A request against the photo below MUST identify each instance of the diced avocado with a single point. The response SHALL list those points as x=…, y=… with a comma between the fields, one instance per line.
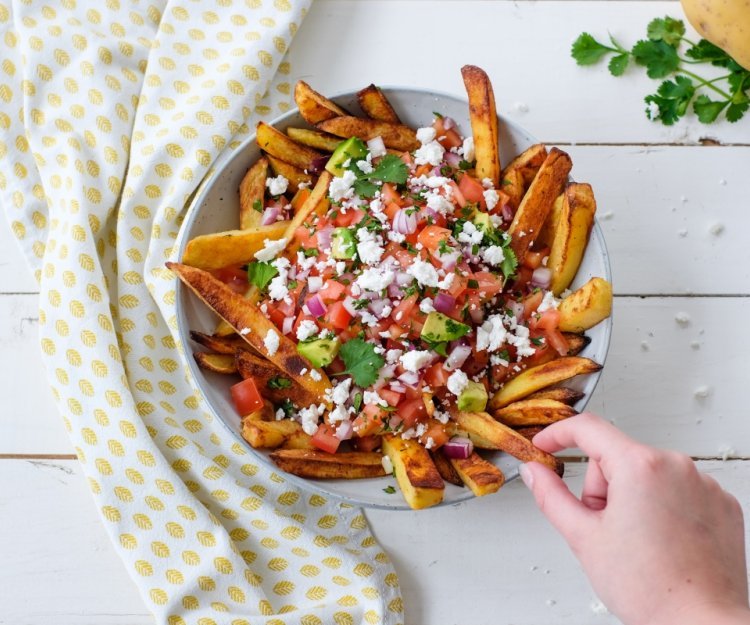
x=474, y=398
x=439, y=327
x=353, y=148
x=482, y=221
x=343, y=243
x=320, y=352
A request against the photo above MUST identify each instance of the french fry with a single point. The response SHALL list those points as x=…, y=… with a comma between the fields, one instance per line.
x=294, y=175
x=298, y=440
x=528, y=163
x=415, y=471
x=316, y=203
x=319, y=464
x=314, y=139
x=220, y=344
x=571, y=234
x=513, y=186
x=445, y=468
x=547, y=233
x=587, y=306
x=256, y=329
x=530, y=432
x=562, y=394
x=314, y=107
x=277, y=144
x=252, y=193
x=268, y=434
x=375, y=105
x=533, y=412
x=272, y=382
x=218, y=363
x=539, y=377
x=483, y=116
x=396, y=136
x=479, y=475
x=537, y=203
x=233, y=247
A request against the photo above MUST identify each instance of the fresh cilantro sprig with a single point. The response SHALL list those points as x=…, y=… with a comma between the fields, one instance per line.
x=362, y=361
x=260, y=274
x=390, y=169
x=662, y=57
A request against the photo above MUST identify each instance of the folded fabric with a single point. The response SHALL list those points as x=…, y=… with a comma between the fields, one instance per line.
x=112, y=113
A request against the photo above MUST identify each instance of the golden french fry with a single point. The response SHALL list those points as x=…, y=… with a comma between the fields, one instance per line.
x=252, y=194
x=533, y=412
x=530, y=432
x=445, y=468
x=298, y=440
x=415, y=472
x=375, y=105
x=537, y=203
x=314, y=138
x=317, y=203
x=272, y=382
x=268, y=434
x=294, y=175
x=218, y=363
x=277, y=144
x=562, y=394
x=483, y=116
x=318, y=464
x=528, y=163
x=541, y=376
x=513, y=186
x=587, y=306
x=396, y=136
x=479, y=475
x=314, y=107
x=547, y=233
x=220, y=344
x=233, y=247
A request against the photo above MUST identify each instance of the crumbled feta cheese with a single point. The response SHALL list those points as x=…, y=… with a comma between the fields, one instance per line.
x=520, y=340
x=314, y=284
x=441, y=416
x=387, y=464
x=430, y=443
x=315, y=375
x=375, y=279
x=491, y=198
x=341, y=392
x=413, y=361
x=270, y=250
x=430, y=153
x=309, y=418
x=368, y=318
x=369, y=248
x=244, y=331
x=439, y=203
x=487, y=183
x=424, y=272
x=470, y=234
x=493, y=255
x=271, y=341
x=392, y=355
x=386, y=312
x=365, y=166
x=277, y=185
x=277, y=288
x=549, y=302
x=397, y=237
x=491, y=334
x=339, y=413
x=306, y=329
x=426, y=306
x=468, y=148
x=341, y=186
x=421, y=428
x=372, y=397
x=457, y=382
x=446, y=282
x=425, y=135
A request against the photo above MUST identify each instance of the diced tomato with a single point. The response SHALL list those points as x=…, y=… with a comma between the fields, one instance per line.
x=431, y=236
x=302, y=234
x=396, y=331
x=449, y=139
x=246, y=396
x=522, y=279
x=436, y=431
x=472, y=190
x=412, y=411
x=389, y=194
x=276, y=316
x=402, y=313
x=458, y=285
x=392, y=397
x=370, y=421
x=300, y=198
x=488, y=283
x=406, y=157
x=391, y=209
x=325, y=438
x=367, y=443
x=531, y=303
x=533, y=260
x=338, y=316
x=455, y=194
x=549, y=320
x=414, y=393
x=350, y=217
x=476, y=363
x=436, y=376
x=557, y=341
x=402, y=256
x=234, y=277
x=332, y=291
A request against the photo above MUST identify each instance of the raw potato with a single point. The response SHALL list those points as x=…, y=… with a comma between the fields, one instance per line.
x=262, y=371
x=233, y=247
x=528, y=163
x=415, y=471
x=314, y=139
x=319, y=464
x=533, y=412
x=479, y=475
x=562, y=394
x=375, y=105
x=572, y=228
x=314, y=107
x=277, y=144
x=268, y=434
x=445, y=468
x=587, y=306
x=483, y=116
x=541, y=376
x=294, y=175
x=218, y=363
x=396, y=136
x=252, y=191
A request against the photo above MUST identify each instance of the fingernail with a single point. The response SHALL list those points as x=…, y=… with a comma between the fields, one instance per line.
x=526, y=475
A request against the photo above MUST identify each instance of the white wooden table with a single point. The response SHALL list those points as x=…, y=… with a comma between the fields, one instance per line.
x=674, y=207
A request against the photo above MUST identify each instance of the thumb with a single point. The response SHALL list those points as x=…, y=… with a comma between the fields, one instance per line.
x=566, y=513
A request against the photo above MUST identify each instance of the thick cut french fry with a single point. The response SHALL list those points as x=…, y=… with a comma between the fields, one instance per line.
x=445, y=468
x=251, y=325
x=537, y=203
x=513, y=186
x=533, y=412
x=562, y=394
x=479, y=475
x=233, y=247
x=298, y=440
x=268, y=434
x=375, y=105
x=252, y=193
x=415, y=471
x=396, y=136
x=547, y=233
x=530, y=432
x=571, y=234
x=294, y=175
x=277, y=144
x=540, y=377
x=272, y=382
x=314, y=139
x=218, y=363
x=317, y=203
x=220, y=344
x=587, y=306
x=318, y=464
x=528, y=163
x=483, y=117
x=314, y=107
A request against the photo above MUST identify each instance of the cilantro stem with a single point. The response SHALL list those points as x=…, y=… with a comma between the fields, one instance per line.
x=704, y=83
x=686, y=40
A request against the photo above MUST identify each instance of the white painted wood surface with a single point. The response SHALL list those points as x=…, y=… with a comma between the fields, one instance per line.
x=660, y=193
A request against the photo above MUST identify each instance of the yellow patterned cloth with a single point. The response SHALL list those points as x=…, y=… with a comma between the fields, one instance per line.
x=111, y=114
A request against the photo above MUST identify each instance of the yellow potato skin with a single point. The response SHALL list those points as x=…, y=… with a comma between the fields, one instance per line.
x=725, y=23
x=587, y=306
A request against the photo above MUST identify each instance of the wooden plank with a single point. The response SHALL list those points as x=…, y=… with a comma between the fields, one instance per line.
x=59, y=566
x=522, y=46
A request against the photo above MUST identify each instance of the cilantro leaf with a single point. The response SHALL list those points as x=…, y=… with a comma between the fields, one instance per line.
x=364, y=188
x=707, y=109
x=258, y=206
x=279, y=382
x=736, y=111
x=390, y=169
x=389, y=490
x=667, y=29
x=659, y=58
x=709, y=53
x=362, y=362
x=510, y=262
x=618, y=64
x=671, y=99
x=586, y=50
x=260, y=274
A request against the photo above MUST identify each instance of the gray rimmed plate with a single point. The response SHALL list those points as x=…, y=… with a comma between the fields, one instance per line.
x=216, y=207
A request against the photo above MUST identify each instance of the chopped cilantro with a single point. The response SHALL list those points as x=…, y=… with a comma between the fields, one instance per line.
x=260, y=274
x=292, y=284
x=359, y=304
x=464, y=165
x=443, y=247
x=389, y=489
x=537, y=340
x=436, y=114
x=258, y=206
x=473, y=284
x=288, y=407
x=362, y=361
x=310, y=251
x=279, y=382
x=390, y=169
x=357, y=401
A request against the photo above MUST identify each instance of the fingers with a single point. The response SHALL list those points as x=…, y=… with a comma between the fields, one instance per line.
x=595, y=487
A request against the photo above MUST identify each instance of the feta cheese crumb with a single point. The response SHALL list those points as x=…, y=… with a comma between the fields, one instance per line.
x=277, y=185
x=549, y=302
x=468, y=148
x=387, y=464
x=457, y=382
x=424, y=272
x=369, y=248
x=430, y=153
x=426, y=135
x=413, y=361
x=491, y=334
x=271, y=341
x=365, y=166
x=430, y=443
x=341, y=187
x=426, y=306
x=491, y=197
x=470, y=234
x=372, y=397
x=306, y=329
x=270, y=250
x=309, y=418
x=341, y=392
x=315, y=375
x=244, y=331
x=375, y=279
x=392, y=355
x=493, y=255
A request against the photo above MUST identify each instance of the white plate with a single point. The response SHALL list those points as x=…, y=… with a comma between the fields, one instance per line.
x=216, y=208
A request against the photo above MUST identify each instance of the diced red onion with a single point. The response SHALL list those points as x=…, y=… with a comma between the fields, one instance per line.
x=410, y=378
x=476, y=314
x=394, y=422
x=377, y=306
x=394, y=290
x=324, y=237
x=286, y=327
x=443, y=302
x=458, y=448
x=517, y=309
x=344, y=431
x=448, y=123
x=314, y=284
x=435, y=171
x=403, y=278
x=457, y=357
x=349, y=306
x=316, y=306
x=318, y=165
x=376, y=145
x=541, y=277
x=507, y=212
x=270, y=215
x=448, y=261
x=405, y=221
x=452, y=159
x=397, y=387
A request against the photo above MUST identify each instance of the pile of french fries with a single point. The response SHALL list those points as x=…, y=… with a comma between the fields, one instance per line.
x=559, y=212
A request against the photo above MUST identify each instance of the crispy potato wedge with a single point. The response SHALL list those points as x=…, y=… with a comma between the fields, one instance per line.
x=483, y=117
x=537, y=202
x=265, y=373
x=528, y=163
x=562, y=394
x=541, y=376
x=530, y=432
x=319, y=464
x=415, y=471
x=294, y=175
x=533, y=412
x=277, y=144
x=479, y=475
x=314, y=139
x=375, y=105
x=571, y=234
x=220, y=344
x=314, y=107
x=513, y=186
x=218, y=363
x=487, y=433
x=247, y=320
x=298, y=440
x=233, y=247
x=547, y=233
x=587, y=306
x=445, y=468
x=396, y=136
x=317, y=202
x=269, y=434
x=252, y=194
